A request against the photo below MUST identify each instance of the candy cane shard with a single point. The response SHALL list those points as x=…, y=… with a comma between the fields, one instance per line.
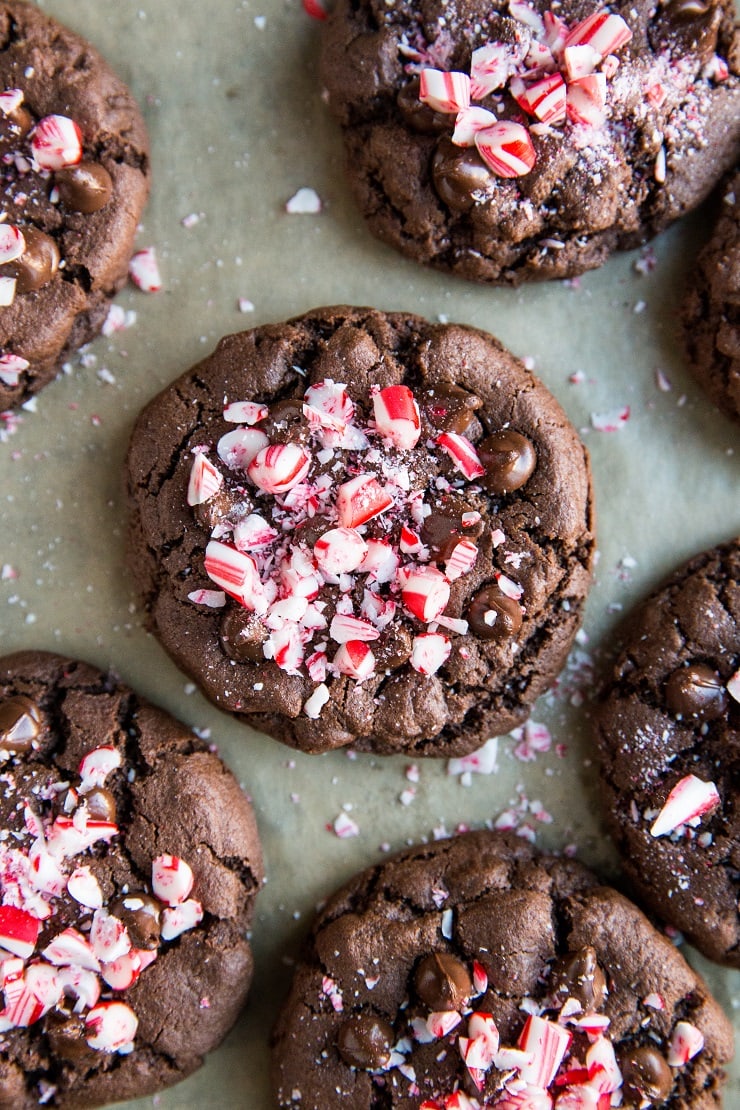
x=507, y=149
x=239, y=447
x=447, y=92
x=429, y=651
x=604, y=31
x=492, y=65
x=234, y=571
x=111, y=1027
x=425, y=592
x=143, y=269
x=56, y=142
x=12, y=243
x=279, y=467
x=339, y=551
x=12, y=366
x=548, y=1044
x=468, y=122
x=361, y=499
x=19, y=931
x=586, y=100
x=733, y=686
x=397, y=416
x=245, y=412
x=686, y=1042
x=354, y=658
x=689, y=799
x=545, y=99
x=172, y=879
x=463, y=454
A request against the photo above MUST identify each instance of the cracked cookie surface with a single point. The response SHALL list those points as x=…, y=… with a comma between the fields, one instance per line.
x=130, y=862
x=475, y=972
x=669, y=733
x=74, y=179
x=398, y=516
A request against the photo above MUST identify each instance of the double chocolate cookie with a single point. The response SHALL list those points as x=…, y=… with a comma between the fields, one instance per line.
x=360, y=528
x=669, y=733
x=712, y=307
x=476, y=973
x=74, y=178
x=513, y=141
x=129, y=863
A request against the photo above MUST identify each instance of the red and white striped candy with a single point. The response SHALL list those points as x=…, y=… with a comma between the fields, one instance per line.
x=603, y=31
x=329, y=404
x=245, y=412
x=285, y=648
x=524, y=13
x=733, y=686
x=285, y=610
x=591, y=1024
x=491, y=66
x=143, y=269
x=7, y=291
x=461, y=559
x=339, y=551
x=279, y=467
x=344, y=628
x=444, y=92
x=380, y=562
x=253, y=531
x=397, y=416
x=97, y=765
x=56, y=142
x=484, y=1035
x=111, y=1027
x=180, y=919
x=29, y=998
x=602, y=1063
x=409, y=542
x=539, y=57
x=85, y=888
x=685, y=1043
x=688, y=800
x=586, y=100
x=480, y=978
x=425, y=592
x=442, y=1022
x=463, y=454
x=11, y=368
x=470, y=121
x=361, y=499
x=508, y=587
x=45, y=874
x=555, y=34
x=579, y=61
x=82, y=984
x=172, y=879
x=71, y=948
x=10, y=101
x=19, y=931
x=548, y=1043
x=234, y=571
x=429, y=651
x=12, y=243
x=108, y=936
x=354, y=658
x=544, y=99
x=507, y=149
x=122, y=973
x=205, y=481
x=213, y=599
x=68, y=837
x=238, y=448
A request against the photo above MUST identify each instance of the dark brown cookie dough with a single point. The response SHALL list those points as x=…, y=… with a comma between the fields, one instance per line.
x=669, y=733
x=74, y=178
x=476, y=973
x=429, y=627
x=129, y=862
x=595, y=143
x=712, y=307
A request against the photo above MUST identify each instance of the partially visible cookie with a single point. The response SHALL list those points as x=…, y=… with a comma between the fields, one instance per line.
x=362, y=528
x=712, y=307
x=669, y=733
x=515, y=141
x=74, y=178
x=129, y=864
x=474, y=972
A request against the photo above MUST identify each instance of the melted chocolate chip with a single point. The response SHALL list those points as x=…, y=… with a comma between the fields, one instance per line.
x=285, y=422
x=141, y=914
x=86, y=187
x=101, y=804
x=13, y=129
x=66, y=1034
x=242, y=635
x=365, y=1041
x=393, y=649
x=19, y=724
x=645, y=1076
x=442, y=982
x=696, y=691
x=578, y=975
x=494, y=616
x=449, y=408
x=509, y=459
x=458, y=173
x=38, y=263
x=420, y=117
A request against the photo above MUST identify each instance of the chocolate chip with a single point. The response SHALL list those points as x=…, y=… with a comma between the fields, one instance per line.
x=458, y=174
x=420, y=116
x=442, y=982
x=365, y=1041
x=646, y=1077
x=449, y=408
x=86, y=187
x=101, y=804
x=242, y=635
x=578, y=975
x=494, y=616
x=141, y=914
x=696, y=691
x=38, y=263
x=13, y=128
x=66, y=1034
x=19, y=724
x=509, y=459
x=285, y=422
x=393, y=649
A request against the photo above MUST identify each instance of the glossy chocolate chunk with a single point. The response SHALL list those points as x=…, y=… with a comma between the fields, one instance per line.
x=646, y=1077
x=38, y=263
x=417, y=115
x=458, y=173
x=66, y=1034
x=442, y=982
x=696, y=691
x=449, y=408
x=578, y=975
x=19, y=724
x=285, y=422
x=365, y=1041
x=86, y=187
x=494, y=616
x=509, y=459
x=101, y=804
x=393, y=649
x=141, y=914
x=242, y=635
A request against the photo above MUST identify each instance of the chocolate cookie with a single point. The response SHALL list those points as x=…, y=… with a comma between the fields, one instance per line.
x=361, y=528
x=476, y=973
x=669, y=732
x=511, y=141
x=129, y=863
x=712, y=308
x=75, y=178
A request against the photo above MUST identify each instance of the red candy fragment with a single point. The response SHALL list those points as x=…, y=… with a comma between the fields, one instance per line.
x=279, y=467
x=111, y=1027
x=463, y=454
x=143, y=269
x=397, y=416
x=180, y=919
x=447, y=92
x=686, y=1042
x=506, y=148
x=425, y=592
x=603, y=31
x=12, y=243
x=172, y=879
x=205, y=481
x=70, y=948
x=548, y=1044
x=234, y=571
x=361, y=499
x=689, y=799
x=586, y=100
x=544, y=99
x=245, y=412
x=56, y=142
x=355, y=659
x=429, y=652
x=339, y=551
x=461, y=559
x=19, y=931
x=97, y=765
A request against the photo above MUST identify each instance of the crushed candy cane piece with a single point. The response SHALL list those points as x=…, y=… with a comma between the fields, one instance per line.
x=111, y=1027
x=548, y=1044
x=447, y=92
x=172, y=879
x=397, y=416
x=314, y=704
x=11, y=367
x=354, y=658
x=733, y=686
x=144, y=272
x=689, y=799
x=686, y=1042
x=7, y=291
x=425, y=591
x=345, y=827
x=484, y=761
x=506, y=148
x=12, y=243
x=429, y=652
x=181, y=918
x=56, y=142
x=612, y=421
x=19, y=931
x=306, y=202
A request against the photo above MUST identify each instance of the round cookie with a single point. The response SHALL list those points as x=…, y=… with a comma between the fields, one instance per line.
x=668, y=730
x=712, y=307
x=362, y=528
x=516, y=141
x=74, y=180
x=474, y=973
x=129, y=861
